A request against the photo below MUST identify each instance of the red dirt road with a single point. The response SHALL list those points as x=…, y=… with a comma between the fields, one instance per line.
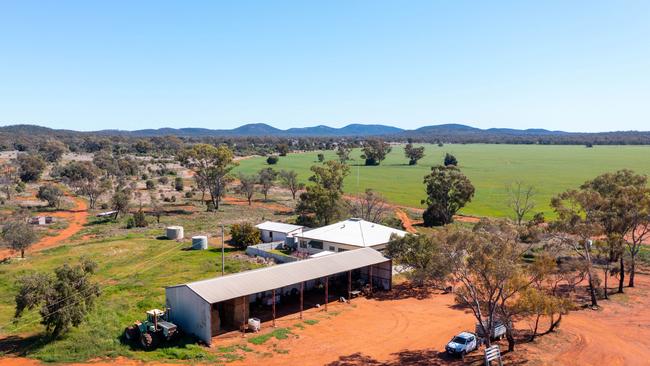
x=619, y=334
x=413, y=331
x=76, y=218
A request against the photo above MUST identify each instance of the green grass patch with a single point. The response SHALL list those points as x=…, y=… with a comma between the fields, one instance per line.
x=490, y=167
x=280, y=333
x=311, y=321
x=133, y=271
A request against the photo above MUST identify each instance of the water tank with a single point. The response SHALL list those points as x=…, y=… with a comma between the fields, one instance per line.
x=199, y=242
x=174, y=232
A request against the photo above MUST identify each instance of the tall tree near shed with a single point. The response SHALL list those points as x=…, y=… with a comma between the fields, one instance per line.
x=211, y=165
x=371, y=207
x=323, y=198
x=448, y=190
x=486, y=263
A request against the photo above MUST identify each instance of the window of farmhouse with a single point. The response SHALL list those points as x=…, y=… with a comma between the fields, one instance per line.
x=316, y=244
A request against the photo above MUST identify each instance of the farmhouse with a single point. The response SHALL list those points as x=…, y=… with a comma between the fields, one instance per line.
x=277, y=231
x=210, y=307
x=346, y=235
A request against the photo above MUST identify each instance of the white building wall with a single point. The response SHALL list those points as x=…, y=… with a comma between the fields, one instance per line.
x=304, y=246
x=270, y=236
x=189, y=312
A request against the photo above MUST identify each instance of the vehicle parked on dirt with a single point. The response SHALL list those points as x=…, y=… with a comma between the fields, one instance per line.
x=498, y=330
x=152, y=330
x=462, y=344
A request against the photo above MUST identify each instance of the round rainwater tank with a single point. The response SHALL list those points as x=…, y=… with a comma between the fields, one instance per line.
x=174, y=232
x=200, y=242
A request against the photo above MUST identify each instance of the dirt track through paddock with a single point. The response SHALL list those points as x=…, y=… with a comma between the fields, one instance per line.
x=76, y=217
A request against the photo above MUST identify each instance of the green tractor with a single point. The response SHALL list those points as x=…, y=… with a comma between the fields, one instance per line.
x=153, y=330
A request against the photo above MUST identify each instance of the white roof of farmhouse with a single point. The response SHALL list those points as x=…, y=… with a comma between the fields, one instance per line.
x=278, y=227
x=264, y=279
x=357, y=232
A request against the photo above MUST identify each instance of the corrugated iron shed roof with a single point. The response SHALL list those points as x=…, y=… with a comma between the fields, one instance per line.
x=251, y=282
x=278, y=227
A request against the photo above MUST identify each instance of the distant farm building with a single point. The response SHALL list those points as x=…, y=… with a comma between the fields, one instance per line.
x=278, y=231
x=211, y=307
x=41, y=220
x=346, y=235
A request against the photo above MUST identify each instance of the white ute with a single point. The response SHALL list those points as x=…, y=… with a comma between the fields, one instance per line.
x=462, y=344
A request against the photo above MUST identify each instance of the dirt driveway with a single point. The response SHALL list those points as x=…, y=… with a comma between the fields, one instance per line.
x=76, y=217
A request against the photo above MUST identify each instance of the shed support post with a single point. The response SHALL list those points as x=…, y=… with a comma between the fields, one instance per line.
x=243, y=326
x=349, y=285
x=302, y=289
x=273, y=308
x=371, y=279
x=327, y=281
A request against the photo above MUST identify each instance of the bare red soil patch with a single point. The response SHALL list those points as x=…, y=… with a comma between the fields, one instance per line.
x=76, y=218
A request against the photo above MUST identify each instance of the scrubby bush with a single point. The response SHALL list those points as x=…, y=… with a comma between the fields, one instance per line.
x=272, y=160
x=163, y=180
x=179, y=185
x=150, y=184
x=244, y=235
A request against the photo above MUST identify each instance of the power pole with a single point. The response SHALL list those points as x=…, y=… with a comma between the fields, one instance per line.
x=223, y=252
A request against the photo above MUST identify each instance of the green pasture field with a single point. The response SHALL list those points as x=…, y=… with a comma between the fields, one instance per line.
x=133, y=272
x=490, y=167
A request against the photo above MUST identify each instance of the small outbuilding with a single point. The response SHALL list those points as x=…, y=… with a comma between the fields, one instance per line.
x=278, y=231
x=210, y=307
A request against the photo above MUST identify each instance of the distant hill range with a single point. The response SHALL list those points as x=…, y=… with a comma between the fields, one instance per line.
x=442, y=132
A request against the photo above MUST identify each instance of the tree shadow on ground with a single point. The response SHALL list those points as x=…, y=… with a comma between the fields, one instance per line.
x=426, y=357
x=20, y=346
x=407, y=290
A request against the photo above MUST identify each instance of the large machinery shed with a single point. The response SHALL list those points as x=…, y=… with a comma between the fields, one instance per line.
x=205, y=308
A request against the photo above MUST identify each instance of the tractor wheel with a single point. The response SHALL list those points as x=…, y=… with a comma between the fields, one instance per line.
x=130, y=333
x=146, y=340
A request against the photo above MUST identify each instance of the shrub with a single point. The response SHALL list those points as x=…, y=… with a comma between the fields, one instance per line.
x=244, y=235
x=188, y=194
x=450, y=160
x=150, y=184
x=271, y=160
x=179, y=185
x=163, y=180
x=321, y=158
x=139, y=219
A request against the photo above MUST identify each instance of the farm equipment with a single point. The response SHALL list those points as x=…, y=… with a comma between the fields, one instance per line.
x=152, y=330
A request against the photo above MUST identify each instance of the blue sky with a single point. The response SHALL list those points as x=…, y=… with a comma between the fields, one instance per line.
x=87, y=65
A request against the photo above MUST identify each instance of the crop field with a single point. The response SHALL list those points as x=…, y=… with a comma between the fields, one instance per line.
x=550, y=169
